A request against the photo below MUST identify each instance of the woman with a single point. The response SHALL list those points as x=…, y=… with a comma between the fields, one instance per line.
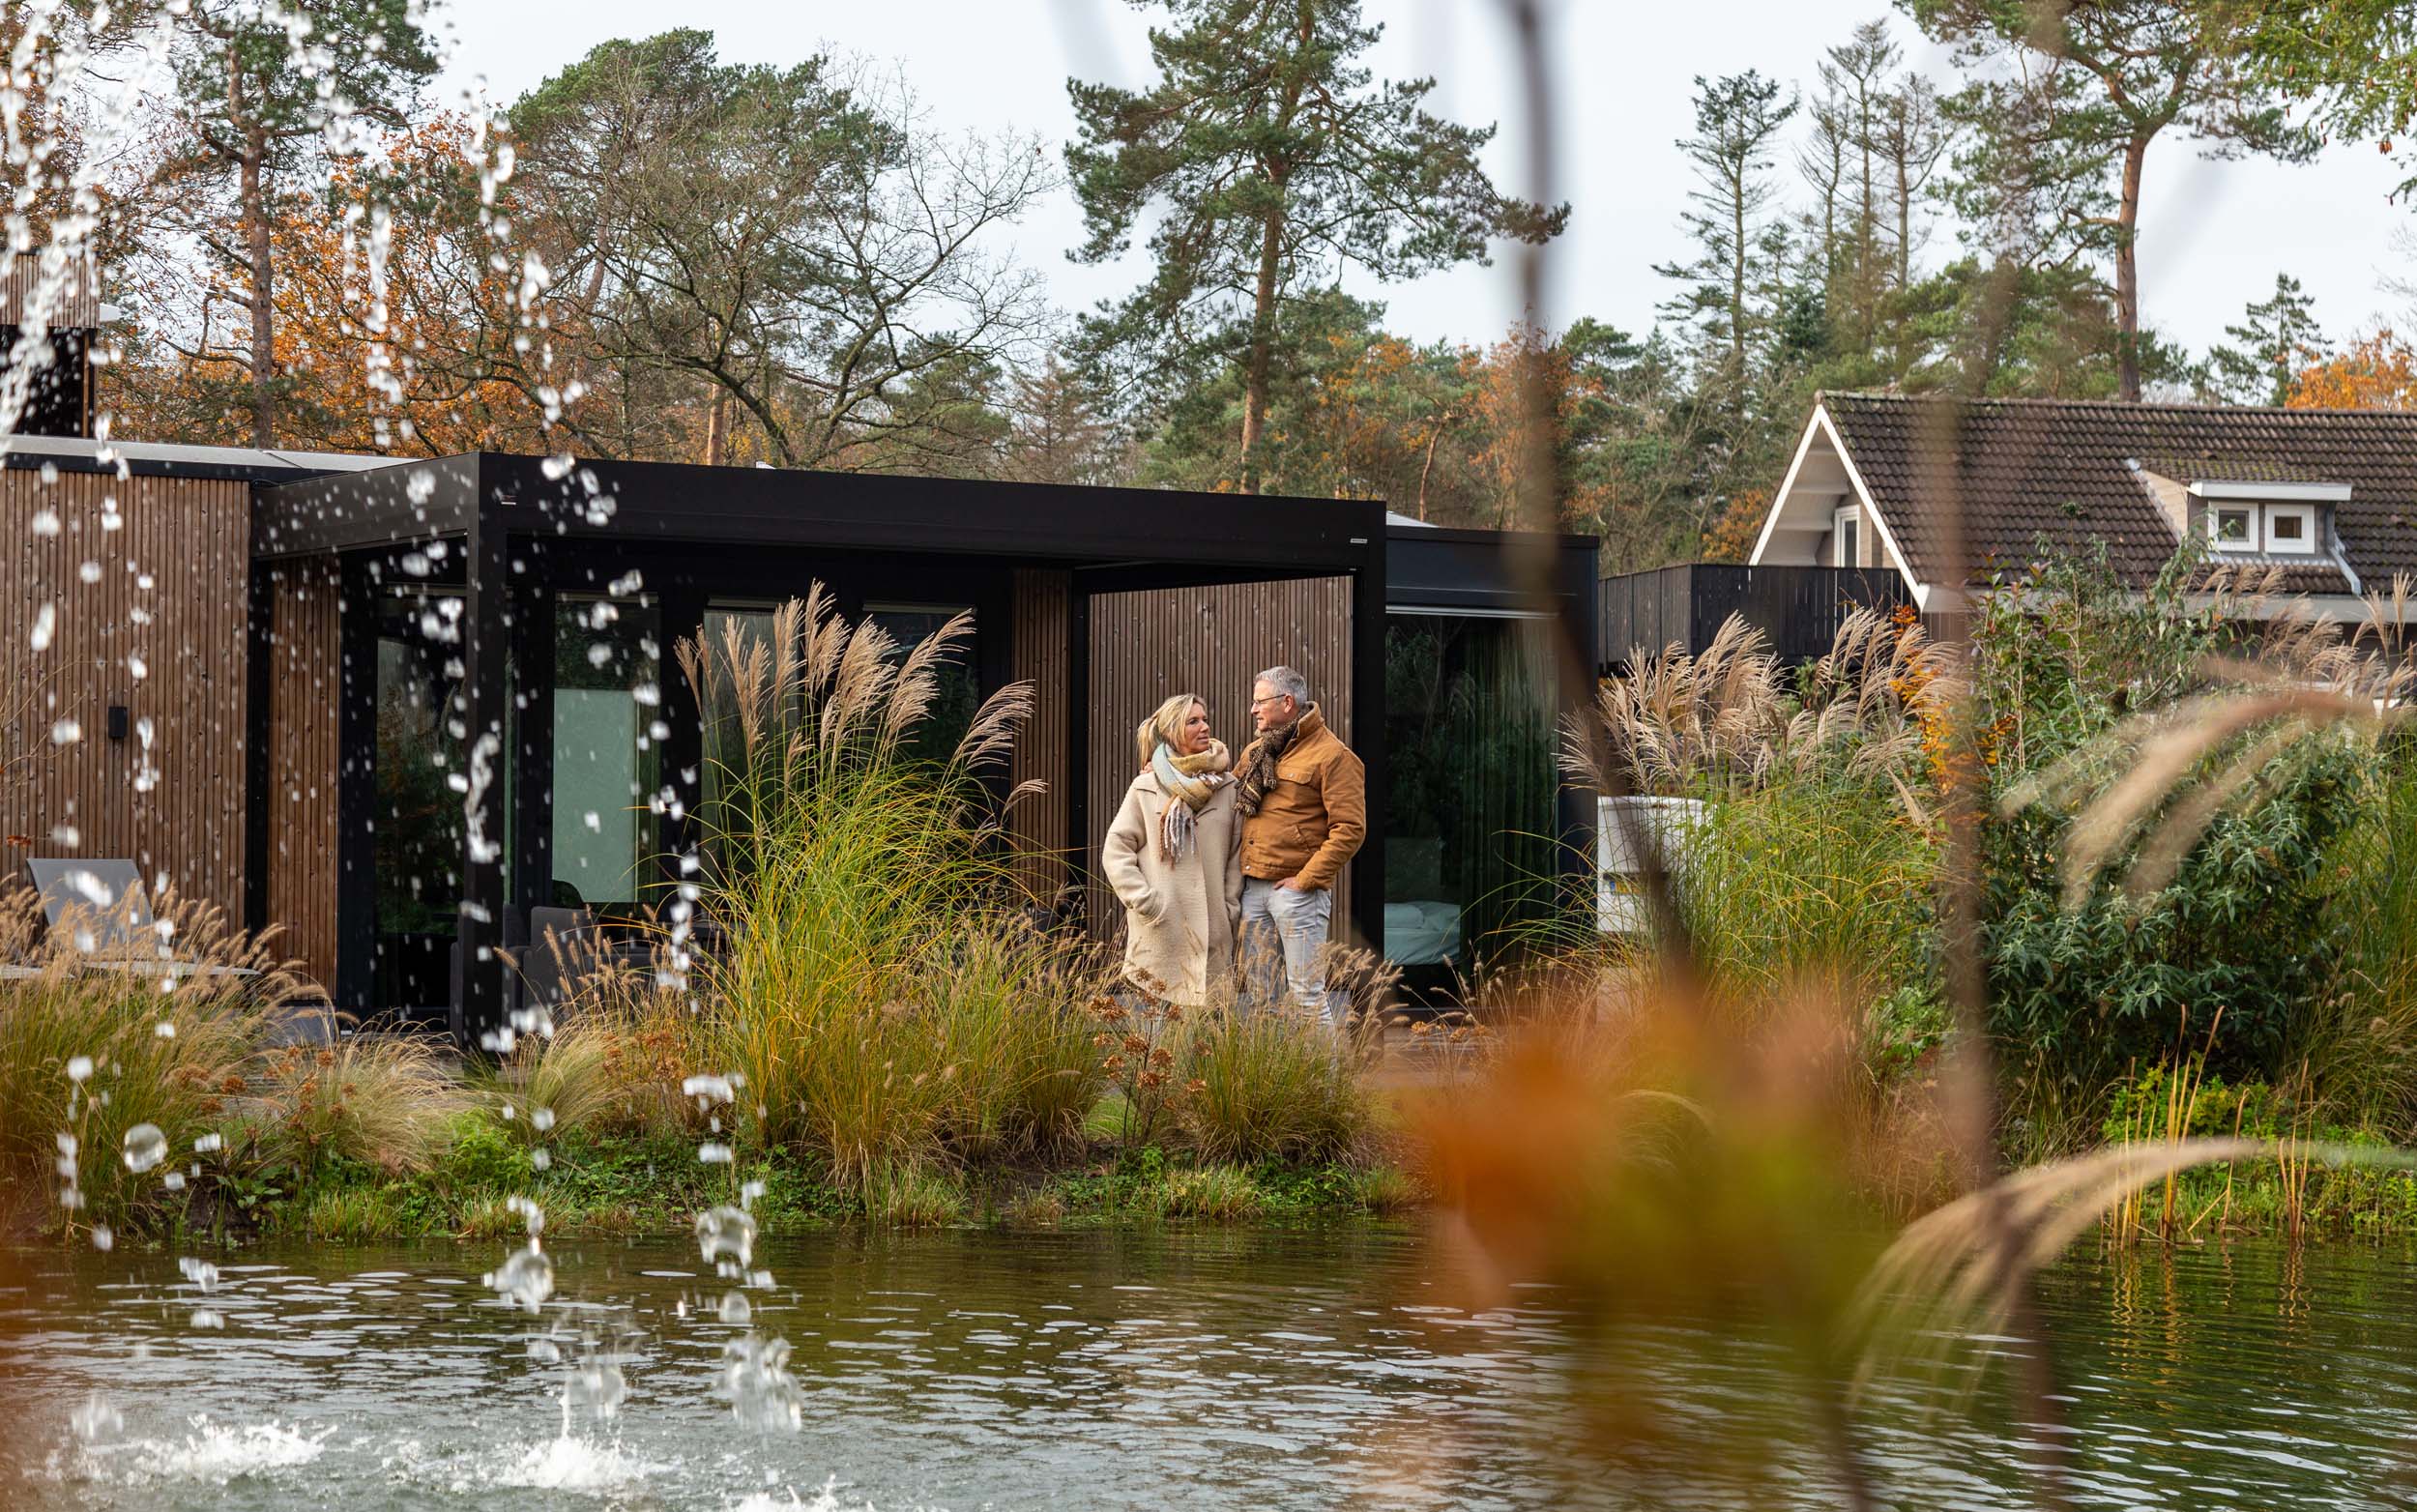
x=1175, y=857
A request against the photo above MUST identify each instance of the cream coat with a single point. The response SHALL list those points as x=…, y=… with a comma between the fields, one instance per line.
x=1179, y=917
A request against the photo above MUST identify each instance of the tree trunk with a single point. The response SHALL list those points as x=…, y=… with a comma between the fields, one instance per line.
x=1737, y=291
x=2128, y=273
x=1261, y=347
x=252, y=192
x=717, y=428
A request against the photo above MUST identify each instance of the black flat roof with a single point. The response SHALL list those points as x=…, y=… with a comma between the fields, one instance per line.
x=676, y=503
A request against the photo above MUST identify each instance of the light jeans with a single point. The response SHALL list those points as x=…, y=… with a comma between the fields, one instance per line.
x=1287, y=924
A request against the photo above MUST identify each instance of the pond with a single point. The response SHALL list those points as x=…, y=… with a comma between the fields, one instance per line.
x=1175, y=1369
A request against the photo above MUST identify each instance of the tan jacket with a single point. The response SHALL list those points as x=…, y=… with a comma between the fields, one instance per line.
x=1315, y=817
x=1179, y=917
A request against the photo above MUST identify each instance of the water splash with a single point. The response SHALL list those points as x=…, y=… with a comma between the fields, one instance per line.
x=525, y=1279
x=201, y=1272
x=725, y=1233
x=755, y=1380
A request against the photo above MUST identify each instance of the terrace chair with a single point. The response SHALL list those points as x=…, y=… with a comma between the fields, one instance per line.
x=105, y=914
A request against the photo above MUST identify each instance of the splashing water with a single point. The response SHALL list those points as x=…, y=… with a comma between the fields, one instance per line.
x=525, y=1279
x=755, y=1380
x=736, y=1309
x=201, y=1272
x=96, y=1420
x=725, y=1233
x=144, y=1148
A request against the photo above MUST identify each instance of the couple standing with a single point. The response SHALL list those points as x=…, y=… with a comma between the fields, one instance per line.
x=1225, y=869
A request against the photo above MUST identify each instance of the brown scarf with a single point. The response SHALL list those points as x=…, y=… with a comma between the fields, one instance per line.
x=1259, y=773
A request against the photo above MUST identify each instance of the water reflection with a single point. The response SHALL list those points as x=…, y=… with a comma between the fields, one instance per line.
x=1265, y=1369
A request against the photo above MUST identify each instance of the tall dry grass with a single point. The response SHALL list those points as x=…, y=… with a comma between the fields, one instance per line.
x=177, y=1052
x=885, y=1004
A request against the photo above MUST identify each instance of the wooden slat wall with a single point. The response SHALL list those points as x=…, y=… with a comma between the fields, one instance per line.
x=1147, y=647
x=1043, y=602
x=305, y=679
x=164, y=592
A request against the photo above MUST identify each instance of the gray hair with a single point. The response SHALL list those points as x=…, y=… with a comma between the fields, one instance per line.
x=1287, y=684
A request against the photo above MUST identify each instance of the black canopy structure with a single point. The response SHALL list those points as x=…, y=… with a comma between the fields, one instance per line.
x=508, y=539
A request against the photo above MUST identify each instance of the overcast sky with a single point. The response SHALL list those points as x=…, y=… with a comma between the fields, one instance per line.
x=2213, y=234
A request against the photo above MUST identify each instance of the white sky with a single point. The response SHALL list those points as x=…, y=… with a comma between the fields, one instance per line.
x=2213, y=234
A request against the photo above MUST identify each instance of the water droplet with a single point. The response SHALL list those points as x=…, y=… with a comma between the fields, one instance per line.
x=596, y=1387
x=525, y=1279
x=45, y=625
x=756, y=1382
x=165, y=1029
x=174, y=1181
x=209, y=1318
x=736, y=1309
x=544, y=1352
x=530, y=1213
x=207, y=1143
x=541, y=1159
x=145, y=1145
x=713, y=1154
x=541, y=1120
x=66, y=732
x=748, y=1192
x=709, y=1088
x=725, y=1231
x=103, y=1238
x=79, y=1069
x=201, y=1272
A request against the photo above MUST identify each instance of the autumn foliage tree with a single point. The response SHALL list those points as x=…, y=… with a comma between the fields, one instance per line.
x=2378, y=372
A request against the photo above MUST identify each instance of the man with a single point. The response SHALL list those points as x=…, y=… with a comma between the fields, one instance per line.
x=1304, y=797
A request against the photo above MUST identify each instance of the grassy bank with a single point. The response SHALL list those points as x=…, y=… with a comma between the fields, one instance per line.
x=656, y=1186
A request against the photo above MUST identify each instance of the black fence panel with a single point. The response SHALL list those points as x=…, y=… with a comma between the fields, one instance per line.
x=1798, y=610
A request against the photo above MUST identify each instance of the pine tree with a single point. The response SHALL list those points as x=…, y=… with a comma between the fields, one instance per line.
x=2275, y=339
x=1275, y=161
x=260, y=92
x=1737, y=119
x=2107, y=78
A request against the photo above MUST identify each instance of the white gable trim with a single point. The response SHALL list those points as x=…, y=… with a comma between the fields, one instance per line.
x=1787, y=486
x=1871, y=509
x=1820, y=425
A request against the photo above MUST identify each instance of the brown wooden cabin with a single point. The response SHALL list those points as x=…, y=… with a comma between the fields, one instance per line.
x=388, y=705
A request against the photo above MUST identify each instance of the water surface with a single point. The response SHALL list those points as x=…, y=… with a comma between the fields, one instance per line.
x=1258, y=1369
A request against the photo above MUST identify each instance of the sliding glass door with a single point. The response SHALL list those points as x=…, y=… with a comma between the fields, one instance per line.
x=1471, y=810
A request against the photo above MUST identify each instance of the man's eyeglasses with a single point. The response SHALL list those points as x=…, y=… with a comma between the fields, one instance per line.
x=1271, y=698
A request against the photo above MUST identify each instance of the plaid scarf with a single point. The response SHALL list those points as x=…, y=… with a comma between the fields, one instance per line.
x=1189, y=782
x=1259, y=772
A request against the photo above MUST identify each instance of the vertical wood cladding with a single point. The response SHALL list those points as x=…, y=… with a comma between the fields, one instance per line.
x=305, y=754
x=1147, y=646
x=1043, y=609
x=131, y=592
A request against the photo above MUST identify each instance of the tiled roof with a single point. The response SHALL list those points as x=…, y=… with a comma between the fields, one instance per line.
x=2005, y=473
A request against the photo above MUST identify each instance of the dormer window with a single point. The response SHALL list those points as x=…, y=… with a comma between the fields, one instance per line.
x=2291, y=529
x=2269, y=518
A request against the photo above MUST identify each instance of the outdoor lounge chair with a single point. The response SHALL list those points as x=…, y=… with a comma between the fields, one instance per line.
x=106, y=916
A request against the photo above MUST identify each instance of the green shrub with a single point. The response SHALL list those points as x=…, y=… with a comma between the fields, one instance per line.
x=2079, y=993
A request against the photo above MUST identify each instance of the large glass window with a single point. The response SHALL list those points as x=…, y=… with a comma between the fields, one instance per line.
x=1472, y=805
x=608, y=733
x=959, y=693
x=418, y=811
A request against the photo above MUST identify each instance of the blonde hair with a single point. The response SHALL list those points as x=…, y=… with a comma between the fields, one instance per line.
x=1165, y=725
